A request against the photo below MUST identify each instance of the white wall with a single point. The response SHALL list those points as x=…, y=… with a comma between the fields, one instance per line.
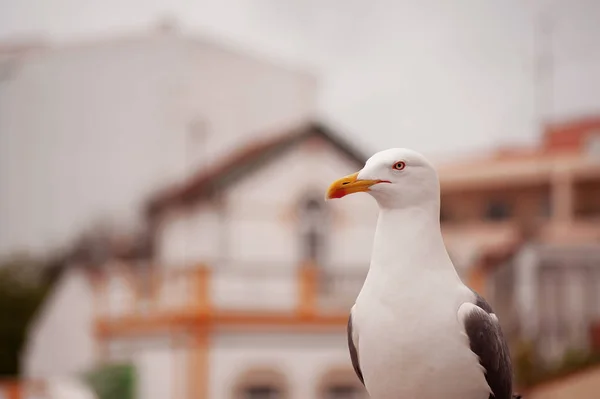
x=190, y=237
x=60, y=340
x=88, y=131
x=254, y=245
x=155, y=373
x=302, y=358
x=265, y=204
x=259, y=228
x=267, y=289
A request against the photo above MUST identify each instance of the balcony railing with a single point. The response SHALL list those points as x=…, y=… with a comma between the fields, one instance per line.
x=307, y=292
x=122, y=291
x=338, y=289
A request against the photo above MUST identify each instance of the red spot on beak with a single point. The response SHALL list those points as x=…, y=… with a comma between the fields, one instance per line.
x=339, y=193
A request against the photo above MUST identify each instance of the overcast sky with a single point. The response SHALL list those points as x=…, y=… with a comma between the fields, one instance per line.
x=439, y=76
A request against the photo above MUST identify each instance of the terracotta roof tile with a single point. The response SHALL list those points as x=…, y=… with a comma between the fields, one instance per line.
x=559, y=140
x=570, y=135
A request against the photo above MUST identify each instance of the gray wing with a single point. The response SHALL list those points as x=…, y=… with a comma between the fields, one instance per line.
x=353, y=352
x=487, y=342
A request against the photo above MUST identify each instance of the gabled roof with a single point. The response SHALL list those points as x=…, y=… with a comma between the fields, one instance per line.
x=243, y=162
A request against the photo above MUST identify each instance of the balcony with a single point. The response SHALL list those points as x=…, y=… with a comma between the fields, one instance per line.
x=128, y=299
x=578, y=231
x=468, y=238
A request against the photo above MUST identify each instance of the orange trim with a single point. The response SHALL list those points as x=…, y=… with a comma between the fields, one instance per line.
x=144, y=324
x=154, y=289
x=203, y=286
x=12, y=389
x=15, y=391
x=270, y=320
x=198, y=368
x=308, y=287
x=99, y=289
x=224, y=320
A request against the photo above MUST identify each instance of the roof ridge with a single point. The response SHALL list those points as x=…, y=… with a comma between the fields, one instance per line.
x=253, y=154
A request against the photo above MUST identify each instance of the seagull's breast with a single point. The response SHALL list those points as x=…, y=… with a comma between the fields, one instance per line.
x=413, y=346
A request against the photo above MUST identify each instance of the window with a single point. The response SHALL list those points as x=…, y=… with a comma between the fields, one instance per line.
x=498, y=210
x=546, y=206
x=344, y=392
x=262, y=383
x=341, y=383
x=261, y=392
x=313, y=225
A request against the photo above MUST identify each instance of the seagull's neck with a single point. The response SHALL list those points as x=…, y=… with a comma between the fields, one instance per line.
x=409, y=240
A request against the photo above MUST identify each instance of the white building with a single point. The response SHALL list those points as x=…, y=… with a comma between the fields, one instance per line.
x=247, y=292
x=88, y=130
x=250, y=275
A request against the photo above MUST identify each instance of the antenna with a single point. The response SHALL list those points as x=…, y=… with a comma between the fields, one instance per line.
x=543, y=64
x=195, y=139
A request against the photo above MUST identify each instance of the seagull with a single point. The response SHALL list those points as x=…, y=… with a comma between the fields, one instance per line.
x=415, y=330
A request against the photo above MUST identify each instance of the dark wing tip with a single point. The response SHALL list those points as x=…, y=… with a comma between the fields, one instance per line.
x=353, y=352
x=487, y=342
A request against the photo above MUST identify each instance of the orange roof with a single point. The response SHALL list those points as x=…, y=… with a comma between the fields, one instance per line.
x=570, y=135
x=560, y=140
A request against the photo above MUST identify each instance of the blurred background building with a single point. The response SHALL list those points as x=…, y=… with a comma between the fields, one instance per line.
x=162, y=226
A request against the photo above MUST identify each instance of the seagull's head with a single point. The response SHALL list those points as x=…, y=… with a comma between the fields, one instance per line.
x=396, y=178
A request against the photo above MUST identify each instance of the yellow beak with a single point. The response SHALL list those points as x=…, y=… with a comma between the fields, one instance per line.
x=349, y=185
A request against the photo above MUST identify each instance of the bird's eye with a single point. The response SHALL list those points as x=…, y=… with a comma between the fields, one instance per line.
x=399, y=165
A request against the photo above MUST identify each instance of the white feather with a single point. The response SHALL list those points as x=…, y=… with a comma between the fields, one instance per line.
x=410, y=341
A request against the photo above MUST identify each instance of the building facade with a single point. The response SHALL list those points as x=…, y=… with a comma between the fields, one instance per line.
x=529, y=219
x=248, y=288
